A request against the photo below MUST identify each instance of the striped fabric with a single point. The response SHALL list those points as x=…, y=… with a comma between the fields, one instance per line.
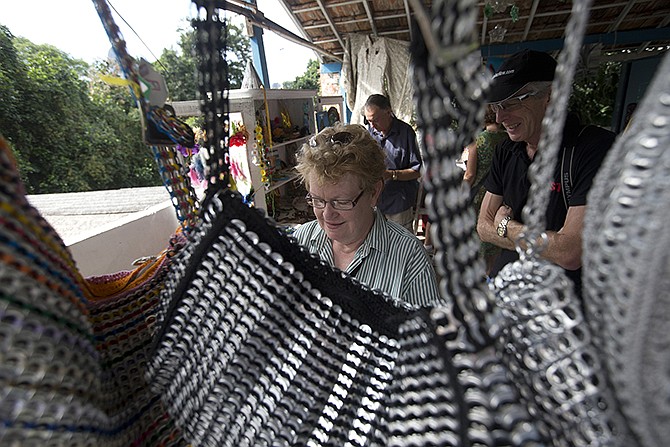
x=238, y=336
x=391, y=260
x=263, y=344
x=72, y=350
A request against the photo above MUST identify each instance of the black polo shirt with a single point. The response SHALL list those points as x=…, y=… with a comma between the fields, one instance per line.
x=508, y=177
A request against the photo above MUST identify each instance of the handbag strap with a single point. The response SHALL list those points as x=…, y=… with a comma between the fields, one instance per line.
x=211, y=31
x=161, y=129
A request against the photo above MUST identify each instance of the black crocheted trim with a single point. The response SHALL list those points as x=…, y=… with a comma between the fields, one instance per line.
x=366, y=306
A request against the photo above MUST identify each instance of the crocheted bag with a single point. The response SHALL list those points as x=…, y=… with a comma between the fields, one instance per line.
x=263, y=345
x=256, y=343
x=72, y=351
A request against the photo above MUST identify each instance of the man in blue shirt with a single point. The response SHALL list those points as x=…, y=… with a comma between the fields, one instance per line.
x=403, y=160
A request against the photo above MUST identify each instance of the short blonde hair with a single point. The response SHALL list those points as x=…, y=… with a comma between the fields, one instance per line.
x=340, y=150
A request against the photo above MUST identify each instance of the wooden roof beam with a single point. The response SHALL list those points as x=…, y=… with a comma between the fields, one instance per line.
x=409, y=19
x=566, y=12
x=325, y=25
x=333, y=28
x=258, y=19
x=294, y=19
x=631, y=37
x=346, y=21
x=298, y=10
x=531, y=17
x=621, y=17
x=644, y=45
x=368, y=12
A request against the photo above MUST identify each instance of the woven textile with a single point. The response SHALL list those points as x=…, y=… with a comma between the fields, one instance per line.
x=236, y=336
x=72, y=352
x=264, y=345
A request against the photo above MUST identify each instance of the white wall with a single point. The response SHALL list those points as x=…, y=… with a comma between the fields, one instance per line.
x=114, y=247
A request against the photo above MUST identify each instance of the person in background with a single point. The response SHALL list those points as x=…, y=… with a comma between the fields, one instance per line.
x=480, y=153
x=403, y=160
x=343, y=170
x=520, y=94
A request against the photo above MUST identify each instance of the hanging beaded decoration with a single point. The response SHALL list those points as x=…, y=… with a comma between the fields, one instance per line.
x=213, y=86
x=170, y=130
x=626, y=265
x=264, y=161
x=256, y=343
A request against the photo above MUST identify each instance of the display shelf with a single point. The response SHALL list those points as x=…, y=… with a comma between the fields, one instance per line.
x=262, y=106
x=286, y=143
x=281, y=181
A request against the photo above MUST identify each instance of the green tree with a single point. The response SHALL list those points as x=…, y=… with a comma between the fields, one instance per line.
x=118, y=132
x=69, y=131
x=179, y=67
x=310, y=80
x=594, y=94
x=238, y=53
x=56, y=92
x=14, y=86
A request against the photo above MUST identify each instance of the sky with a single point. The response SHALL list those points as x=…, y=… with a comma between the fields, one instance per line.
x=74, y=27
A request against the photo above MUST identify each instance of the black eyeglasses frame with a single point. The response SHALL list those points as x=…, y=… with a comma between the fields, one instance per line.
x=319, y=203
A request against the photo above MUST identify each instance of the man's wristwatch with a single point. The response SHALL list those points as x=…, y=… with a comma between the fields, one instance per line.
x=502, y=226
x=394, y=174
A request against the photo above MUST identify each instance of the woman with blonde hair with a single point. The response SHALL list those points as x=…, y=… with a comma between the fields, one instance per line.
x=343, y=171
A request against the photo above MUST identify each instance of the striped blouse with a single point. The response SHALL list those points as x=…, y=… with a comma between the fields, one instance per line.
x=390, y=259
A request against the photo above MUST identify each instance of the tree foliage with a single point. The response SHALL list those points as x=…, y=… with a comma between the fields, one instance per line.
x=310, y=80
x=14, y=87
x=594, y=94
x=68, y=130
x=179, y=67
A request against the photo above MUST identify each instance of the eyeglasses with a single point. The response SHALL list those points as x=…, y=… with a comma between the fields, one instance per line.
x=512, y=103
x=341, y=138
x=341, y=205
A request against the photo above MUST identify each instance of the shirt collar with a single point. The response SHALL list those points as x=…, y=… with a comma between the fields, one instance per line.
x=377, y=237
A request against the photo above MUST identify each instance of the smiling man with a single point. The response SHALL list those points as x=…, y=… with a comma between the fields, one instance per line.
x=520, y=94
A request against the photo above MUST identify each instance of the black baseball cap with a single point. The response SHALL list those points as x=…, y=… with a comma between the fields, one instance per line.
x=518, y=70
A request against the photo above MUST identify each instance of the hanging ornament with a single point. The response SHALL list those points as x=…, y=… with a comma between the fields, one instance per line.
x=514, y=13
x=499, y=5
x=488, y=10
x=497, y=34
